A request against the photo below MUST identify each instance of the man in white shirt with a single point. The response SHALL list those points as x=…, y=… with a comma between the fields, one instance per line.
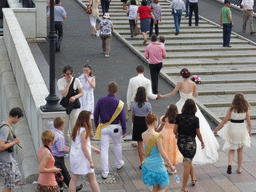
x=63, y=85
x=136, y=82
x=177, y=6
x=247, y=5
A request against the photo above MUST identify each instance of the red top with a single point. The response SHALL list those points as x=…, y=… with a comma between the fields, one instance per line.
x=46, y=179
x=144, y=11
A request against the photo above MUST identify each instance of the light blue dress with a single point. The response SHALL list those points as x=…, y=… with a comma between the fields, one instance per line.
x=153, y=170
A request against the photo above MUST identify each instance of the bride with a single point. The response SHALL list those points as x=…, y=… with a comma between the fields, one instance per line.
x=188, y=89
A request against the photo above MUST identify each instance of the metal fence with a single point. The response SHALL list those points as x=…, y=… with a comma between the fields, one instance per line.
x=27, y=3
x=238, y=2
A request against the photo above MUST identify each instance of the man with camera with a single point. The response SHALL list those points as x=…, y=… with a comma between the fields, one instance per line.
x=8, y=165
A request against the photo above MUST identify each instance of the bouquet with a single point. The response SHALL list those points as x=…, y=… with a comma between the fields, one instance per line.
x=196, y=79
x=89, y=9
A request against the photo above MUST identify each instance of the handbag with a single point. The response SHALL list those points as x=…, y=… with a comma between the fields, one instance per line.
x=89, y=9
x=65, y=100
x=136, y=30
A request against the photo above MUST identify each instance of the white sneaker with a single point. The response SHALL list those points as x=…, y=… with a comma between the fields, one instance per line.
x=118, y=168
x=106, y=55
x=104, y=176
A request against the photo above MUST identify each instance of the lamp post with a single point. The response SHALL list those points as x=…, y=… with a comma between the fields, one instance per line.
x=52, y=99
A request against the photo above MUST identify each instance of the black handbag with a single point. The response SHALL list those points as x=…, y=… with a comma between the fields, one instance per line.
x=65, y=100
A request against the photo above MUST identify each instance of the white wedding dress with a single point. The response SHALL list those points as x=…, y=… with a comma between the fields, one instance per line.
x=210, y=153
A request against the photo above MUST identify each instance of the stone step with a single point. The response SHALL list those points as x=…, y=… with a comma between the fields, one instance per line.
x=223, y=104
x=182, y=31
x=170, y=22
x=225, y=92
x=190, y=48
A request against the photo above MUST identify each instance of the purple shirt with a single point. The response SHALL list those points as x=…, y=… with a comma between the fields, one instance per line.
x=105, y=108
x=59, y=143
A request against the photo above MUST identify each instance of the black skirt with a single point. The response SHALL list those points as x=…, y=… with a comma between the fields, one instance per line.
x=187, y=146
x=139, y=126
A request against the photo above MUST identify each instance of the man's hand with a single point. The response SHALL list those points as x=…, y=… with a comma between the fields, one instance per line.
x=16, y=140
x=124, y=135
x=158, y=96
x=233, y=24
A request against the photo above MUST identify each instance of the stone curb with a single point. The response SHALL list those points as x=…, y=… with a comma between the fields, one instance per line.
x=27, y=155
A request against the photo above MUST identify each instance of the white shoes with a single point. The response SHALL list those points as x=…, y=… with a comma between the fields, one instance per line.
x=106, y=55
x=104, y=176
x=118, y=168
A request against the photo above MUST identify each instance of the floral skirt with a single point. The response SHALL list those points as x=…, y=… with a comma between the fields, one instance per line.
x=187, y=146
x=43, y=188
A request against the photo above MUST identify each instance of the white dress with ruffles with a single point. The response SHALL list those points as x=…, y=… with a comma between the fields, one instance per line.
x=235, y=134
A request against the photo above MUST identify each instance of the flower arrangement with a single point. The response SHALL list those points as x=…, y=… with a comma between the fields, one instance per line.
x=196, y=79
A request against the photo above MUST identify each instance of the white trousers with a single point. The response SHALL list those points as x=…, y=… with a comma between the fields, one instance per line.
x=106, y=134
x=93, y=21
x=70, y=121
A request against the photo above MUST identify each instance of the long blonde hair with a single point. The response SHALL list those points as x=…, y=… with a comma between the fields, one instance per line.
x=83, y=120
x=239, y=104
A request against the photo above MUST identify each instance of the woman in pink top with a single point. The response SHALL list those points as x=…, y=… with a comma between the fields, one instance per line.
x=155, y=53
x=46, y=180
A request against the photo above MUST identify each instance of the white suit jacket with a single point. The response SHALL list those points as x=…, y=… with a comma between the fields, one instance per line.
x=134, y=83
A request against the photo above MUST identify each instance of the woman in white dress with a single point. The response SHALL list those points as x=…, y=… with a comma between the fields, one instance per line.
x=80, y=154
x=88, y=85
x=187, y=90
x=235, y=132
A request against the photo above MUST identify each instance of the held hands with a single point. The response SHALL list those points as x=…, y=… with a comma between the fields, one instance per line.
x=158, y=96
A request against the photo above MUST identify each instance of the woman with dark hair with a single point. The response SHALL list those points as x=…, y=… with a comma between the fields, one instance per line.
x=235, y=132
x=169, y=139
x=47, y=170
x=80, y=154
x=144, y=12
x=188, y=89
x=88, y=84
x=140, y=109
x=186, y=129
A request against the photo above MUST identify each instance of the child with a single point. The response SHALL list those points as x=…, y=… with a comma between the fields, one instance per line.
x=140, y=109
x=157, y=12
x=235, y=132
x=153, y=170
x=162, y=40
x=80, y=154
x=59, y=149
x=132, y=10
x=169, y=140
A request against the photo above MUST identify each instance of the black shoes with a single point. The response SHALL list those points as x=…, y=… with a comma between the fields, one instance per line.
x=78, y=188
x=229, y=170
x=176, y=33
x=227, y=46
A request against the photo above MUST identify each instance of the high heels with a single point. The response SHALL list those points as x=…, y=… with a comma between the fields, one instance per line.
x=194, y=182
x=239, y=172
x=229, y=170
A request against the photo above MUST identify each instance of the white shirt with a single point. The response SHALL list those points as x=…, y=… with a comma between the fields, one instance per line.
x=134, y=83
x=62, y=83
x=177, y=5
x=132, y=12
x=193, y=1
x=248, y=4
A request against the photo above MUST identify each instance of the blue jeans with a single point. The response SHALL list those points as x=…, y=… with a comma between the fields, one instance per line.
x=227, y=28
x=177, y=17
x=187, y=8
x=105, y=6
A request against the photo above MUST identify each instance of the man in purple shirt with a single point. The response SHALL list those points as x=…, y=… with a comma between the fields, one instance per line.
x=104, y=110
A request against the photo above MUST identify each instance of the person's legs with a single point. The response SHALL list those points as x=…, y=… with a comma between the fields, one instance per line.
x=250, y=15
x=190, y=14
x=179, y=18
x=156, y=28
x=144, y=34
x=245, y=18
x=229, y=29
x=230, y=156
x=224, y=34
x=66, y=129
x=107, y=2
x=103, y=6
x=132, y=26
x=93, y=183
x=60, y=163
x=140, y=151
x=108, y=44
x=151, y=27
x=6, y=190
x=73, y=182
x=239, y=159
x=93, y=24
x=187, y=8
x=153, y=73
x=59, y=30
x=196, y=14
x=162, y=189
x=156, y=188
x=116, y=135
x=104, y=145
x=187, y=167
x=103, y=43
x=158, y=67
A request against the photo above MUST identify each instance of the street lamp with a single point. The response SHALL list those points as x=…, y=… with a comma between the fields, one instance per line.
x=52, y=99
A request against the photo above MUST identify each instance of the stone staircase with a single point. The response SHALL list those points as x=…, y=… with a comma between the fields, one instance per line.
x=224, y=71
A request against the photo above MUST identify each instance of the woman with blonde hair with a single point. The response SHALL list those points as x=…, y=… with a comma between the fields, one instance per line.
x=80, y=154
x=94, y=15
x=153, y=170
x=235, y=132
x=47, y=171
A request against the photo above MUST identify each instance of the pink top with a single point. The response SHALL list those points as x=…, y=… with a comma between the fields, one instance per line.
x=155, y=53
x=46, y=179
